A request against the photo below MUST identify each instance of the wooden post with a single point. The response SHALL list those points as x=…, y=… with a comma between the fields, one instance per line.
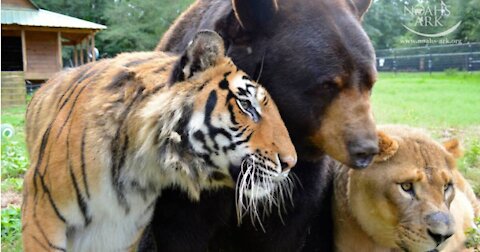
x=24, y=51
x=75, y=55
x=81, y=52
x=87, y=49
x=59, y=52
x=94, y=58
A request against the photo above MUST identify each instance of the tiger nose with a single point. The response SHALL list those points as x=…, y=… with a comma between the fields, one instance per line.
x=288, y=162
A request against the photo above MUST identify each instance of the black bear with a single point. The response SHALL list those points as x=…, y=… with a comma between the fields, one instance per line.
x=319, y=66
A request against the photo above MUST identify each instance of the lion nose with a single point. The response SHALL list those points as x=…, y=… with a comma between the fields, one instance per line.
x=440, y=226
x=287, y=162
x=439, y=238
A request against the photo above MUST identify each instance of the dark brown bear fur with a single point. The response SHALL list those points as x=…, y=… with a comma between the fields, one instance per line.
x=318, y=64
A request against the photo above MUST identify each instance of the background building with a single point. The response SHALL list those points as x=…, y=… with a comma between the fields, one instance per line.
x=32, y=41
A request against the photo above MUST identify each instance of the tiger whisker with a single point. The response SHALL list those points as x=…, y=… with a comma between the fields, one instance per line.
x=256, y=179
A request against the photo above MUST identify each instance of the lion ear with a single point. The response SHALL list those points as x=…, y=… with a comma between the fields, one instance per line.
x=387, y=147
x=453, y=147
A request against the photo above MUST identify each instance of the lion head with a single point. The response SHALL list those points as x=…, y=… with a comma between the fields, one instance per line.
x=403, y=200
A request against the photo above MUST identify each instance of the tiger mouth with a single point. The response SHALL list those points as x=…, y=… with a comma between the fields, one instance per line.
x=261, y=190
x=257, y=178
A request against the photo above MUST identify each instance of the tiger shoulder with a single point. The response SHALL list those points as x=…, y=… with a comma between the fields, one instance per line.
x=104, y=139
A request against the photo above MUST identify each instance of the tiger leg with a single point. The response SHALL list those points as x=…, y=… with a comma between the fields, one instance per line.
x=43, y=229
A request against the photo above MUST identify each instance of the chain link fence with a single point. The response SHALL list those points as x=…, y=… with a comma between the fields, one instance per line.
x=462, y=57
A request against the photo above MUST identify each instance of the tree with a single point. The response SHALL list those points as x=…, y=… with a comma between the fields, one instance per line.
x=469, y=31
x=133, y=25
x=91, y=10
x=382, y=22
x=137, y=25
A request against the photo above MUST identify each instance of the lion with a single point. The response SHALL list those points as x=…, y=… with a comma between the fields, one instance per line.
x=412, y=197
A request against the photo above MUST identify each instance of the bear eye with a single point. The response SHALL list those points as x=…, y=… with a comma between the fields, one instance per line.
x=407, y=187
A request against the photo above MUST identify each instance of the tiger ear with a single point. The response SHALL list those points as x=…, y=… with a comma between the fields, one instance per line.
x=453, y=147
x=202, y=52
x=387, y=147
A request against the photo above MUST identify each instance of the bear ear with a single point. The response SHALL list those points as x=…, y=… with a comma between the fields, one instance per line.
x=453, y=147
x=202, y=52
x=247, y=17
x=362, y=6
x=254, y=15
x=387, y=147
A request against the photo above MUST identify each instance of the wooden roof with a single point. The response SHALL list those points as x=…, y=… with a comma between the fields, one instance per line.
x=27, y=4
x=26, y=13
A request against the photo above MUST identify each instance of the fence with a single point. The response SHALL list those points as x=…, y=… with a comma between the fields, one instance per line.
x=13, y=89
x=463, y=57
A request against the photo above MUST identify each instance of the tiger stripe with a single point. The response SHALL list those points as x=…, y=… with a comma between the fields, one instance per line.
x=107, y=137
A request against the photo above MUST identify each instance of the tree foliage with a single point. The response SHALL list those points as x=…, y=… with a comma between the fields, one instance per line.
x=133, y=25
x=385, y=19
x=136, y=25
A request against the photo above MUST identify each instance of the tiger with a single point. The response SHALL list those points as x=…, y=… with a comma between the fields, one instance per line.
x=105, y=138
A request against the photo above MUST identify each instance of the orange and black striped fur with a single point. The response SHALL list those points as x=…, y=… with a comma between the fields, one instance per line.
x=105, y=138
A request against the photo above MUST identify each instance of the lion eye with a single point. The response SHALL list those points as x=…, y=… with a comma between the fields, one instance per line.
x=447, y=186
x=407, y=187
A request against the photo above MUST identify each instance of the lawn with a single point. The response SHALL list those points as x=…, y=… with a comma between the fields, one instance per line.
x=447, y=104
x=437, y=100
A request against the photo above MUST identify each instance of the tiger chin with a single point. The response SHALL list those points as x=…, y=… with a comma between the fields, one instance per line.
x=105, y=139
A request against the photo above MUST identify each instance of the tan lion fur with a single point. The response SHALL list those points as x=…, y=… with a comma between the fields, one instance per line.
x=368, y=211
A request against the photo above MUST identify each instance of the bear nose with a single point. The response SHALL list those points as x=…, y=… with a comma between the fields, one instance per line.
x=362, y=153
x=287, y=162
x=440, y=226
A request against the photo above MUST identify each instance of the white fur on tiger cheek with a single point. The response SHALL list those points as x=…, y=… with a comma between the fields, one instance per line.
x=239, y=82
x=260, y=94
x=219, y=158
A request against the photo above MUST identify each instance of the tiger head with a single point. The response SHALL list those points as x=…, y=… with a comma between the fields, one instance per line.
x=229, y=124
x=235, y=123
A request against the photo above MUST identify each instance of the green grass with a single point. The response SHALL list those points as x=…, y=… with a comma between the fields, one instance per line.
x=448, y=104
x=16, y=117
x=473, y=240
x=420, y=99
x=11, y=229
x=14, y=164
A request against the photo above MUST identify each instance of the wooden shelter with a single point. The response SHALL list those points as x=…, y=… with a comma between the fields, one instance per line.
x=32, y=41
